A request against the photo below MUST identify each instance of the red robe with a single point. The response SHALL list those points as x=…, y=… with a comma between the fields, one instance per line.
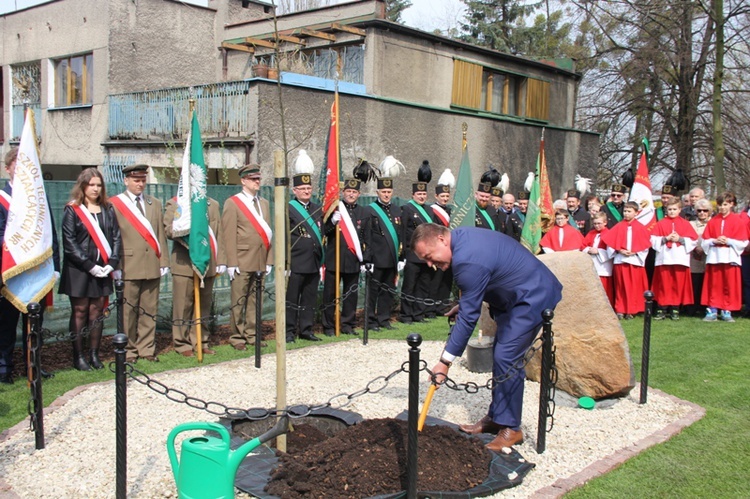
x=572, y=239
x=672, y=283
x=722, y=282
x=607, y=280
x=631, y=281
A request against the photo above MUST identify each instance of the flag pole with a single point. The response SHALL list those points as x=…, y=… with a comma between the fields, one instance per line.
x=337, y=309
x=196, y=283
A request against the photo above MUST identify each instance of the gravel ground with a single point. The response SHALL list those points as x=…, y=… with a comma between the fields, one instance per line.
x=79, y=458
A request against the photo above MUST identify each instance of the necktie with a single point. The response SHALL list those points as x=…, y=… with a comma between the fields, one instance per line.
x=256, y=205
x=139, y=205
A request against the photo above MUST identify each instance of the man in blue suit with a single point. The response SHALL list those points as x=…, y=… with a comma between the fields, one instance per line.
x=492, y=267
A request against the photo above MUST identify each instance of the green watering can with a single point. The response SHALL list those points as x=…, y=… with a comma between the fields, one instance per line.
x=207, y=467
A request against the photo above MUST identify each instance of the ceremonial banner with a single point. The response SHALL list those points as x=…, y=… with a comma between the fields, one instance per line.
x=191, y=213
x=641, y=192
x=531, y=233
x=332, y=162
x=464, y=209
x=27, y=268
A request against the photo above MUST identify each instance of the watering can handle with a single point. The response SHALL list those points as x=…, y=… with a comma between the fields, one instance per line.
x=197, y=425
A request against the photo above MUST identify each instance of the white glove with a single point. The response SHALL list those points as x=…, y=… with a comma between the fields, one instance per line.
x=96, y=271
x=336, y=218
x=401, y=265
x=117, y=275
x=287, y=273
x=233, y=271
x=269, y=268
x=107, y=270
x=369, y=267
x=164, y=271
x=220, y=269
x=362, y=269
x=57, y=275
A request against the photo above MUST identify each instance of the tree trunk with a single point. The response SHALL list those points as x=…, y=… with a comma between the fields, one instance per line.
x=718, y=14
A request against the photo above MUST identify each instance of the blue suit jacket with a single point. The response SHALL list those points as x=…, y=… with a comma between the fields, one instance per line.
x=492, y=267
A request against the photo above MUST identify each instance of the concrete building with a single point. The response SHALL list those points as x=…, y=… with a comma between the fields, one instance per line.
x=111, y=81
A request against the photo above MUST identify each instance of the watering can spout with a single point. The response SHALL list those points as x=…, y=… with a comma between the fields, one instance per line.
x=241, y=453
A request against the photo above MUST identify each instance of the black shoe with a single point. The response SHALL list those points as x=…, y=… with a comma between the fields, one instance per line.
x=329, y=333
x=405, y=321
x=290, y=339
x=373, y=328
x=6, y=379
x=47, y=374
x=430, y=316
x=309, y=337
x=94, y=360
x=81, y=364
x=388, y=326
x=419, y=320
x=350, y=331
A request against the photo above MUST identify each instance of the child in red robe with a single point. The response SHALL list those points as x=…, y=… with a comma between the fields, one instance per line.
x=673, y=238
x=595, y=247
x=724, y=240
x=628, y=243
x=562, y=236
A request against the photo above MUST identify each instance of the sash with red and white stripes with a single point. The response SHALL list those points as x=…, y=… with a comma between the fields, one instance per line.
x=5, y=200
x=260, y=225
x=95, y=232
x=445, y=219
x=349, y=231
x=137, y=220
x=214, y=244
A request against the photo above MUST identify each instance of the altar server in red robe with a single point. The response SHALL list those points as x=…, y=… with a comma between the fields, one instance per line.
x=628, y=243
x=595, y=247
x=724, y=240
x=673, y=239
x=562, y=236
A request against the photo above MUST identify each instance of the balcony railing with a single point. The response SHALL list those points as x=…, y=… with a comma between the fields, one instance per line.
x=224, y=110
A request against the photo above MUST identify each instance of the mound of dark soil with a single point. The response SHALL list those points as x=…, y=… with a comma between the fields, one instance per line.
x=369, y=459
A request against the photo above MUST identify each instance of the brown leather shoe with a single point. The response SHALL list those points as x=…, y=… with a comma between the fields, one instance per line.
x=240, y=347
x=187, y=353
x=485, y=425
x=208, y=351
x=507, y=437
x=151, y=358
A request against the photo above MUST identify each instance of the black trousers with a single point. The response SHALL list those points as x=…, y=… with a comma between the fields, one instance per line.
x=441, y=287
x=301, y=300
x=8, y=333
x=417, y=279
x=380, y=299
x=349, y=304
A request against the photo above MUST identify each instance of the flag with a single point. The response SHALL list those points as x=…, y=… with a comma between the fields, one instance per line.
x=333, y=164
x=464, y=205
x=539, y=213
x=27, y=268
x=191, y=213
x=641, y=191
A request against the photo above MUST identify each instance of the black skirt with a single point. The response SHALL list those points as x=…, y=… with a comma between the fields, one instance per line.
x=80, y=284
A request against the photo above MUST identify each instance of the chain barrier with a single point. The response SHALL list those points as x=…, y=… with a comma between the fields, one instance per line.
x=85, y=332
x=429, y=302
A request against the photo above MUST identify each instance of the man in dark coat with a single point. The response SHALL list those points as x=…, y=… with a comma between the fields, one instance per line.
x=306, y=243
x=579, y=218
x=350, y=259
x=417, y=275
x=517, y=286
x=613, y=208
x=485, y=215
x=514, y=227
x=382, y=252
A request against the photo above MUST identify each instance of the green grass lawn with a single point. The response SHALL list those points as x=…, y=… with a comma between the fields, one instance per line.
x=705, y=363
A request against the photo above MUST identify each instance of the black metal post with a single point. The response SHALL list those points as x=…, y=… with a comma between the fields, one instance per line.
x=646, y=344
x=366, y=328
x=35, y=381
x=259, y=275
x=414, y=340
x=120, y=341
x=546, y=369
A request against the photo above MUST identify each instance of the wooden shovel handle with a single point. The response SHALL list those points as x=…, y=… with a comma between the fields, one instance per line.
x=426, y=406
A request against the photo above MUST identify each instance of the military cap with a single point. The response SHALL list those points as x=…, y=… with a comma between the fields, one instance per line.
x=136, y=171
x=484, y=187
x=440, y=189
x=572, y=193
x=619, y=188
x=352, y=183
x=668, y=189
x=249, y=170
x=302, y=179
x=523, y=195
x=419, y=187
x=385, y=183
x=497, y=192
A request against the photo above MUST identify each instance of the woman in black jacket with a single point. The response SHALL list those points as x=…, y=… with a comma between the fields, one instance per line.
x=92, y=247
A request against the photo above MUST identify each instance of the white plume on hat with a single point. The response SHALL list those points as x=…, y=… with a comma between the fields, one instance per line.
x=504, y=183
x=391, y=167
x=529, y=181
x=447, y=178
x=303, y=163
x=583, y=185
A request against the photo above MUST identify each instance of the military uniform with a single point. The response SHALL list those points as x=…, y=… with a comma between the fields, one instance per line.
x=306, y=243
x=441, y=284
x=417, y=275
x=614, y=211
x=486, y=218
x=383, y=251
x=349, y=268
x=514, y=226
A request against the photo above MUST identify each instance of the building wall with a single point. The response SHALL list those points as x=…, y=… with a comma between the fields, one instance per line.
x=373, y=128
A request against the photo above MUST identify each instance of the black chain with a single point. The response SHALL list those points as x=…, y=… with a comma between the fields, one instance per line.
x=85, y=331
x=429, y=302
x=338, y=401
x=552, y=390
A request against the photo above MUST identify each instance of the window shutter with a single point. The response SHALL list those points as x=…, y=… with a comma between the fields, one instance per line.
x=467, y=84
x=537, y=99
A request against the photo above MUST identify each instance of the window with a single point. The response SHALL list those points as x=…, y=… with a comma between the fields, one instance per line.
x=74, y=80
x=25, y=82
x=498, y=92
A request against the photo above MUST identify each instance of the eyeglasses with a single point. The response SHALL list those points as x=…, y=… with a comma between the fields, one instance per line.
x=616, y=195
x=702, y=211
